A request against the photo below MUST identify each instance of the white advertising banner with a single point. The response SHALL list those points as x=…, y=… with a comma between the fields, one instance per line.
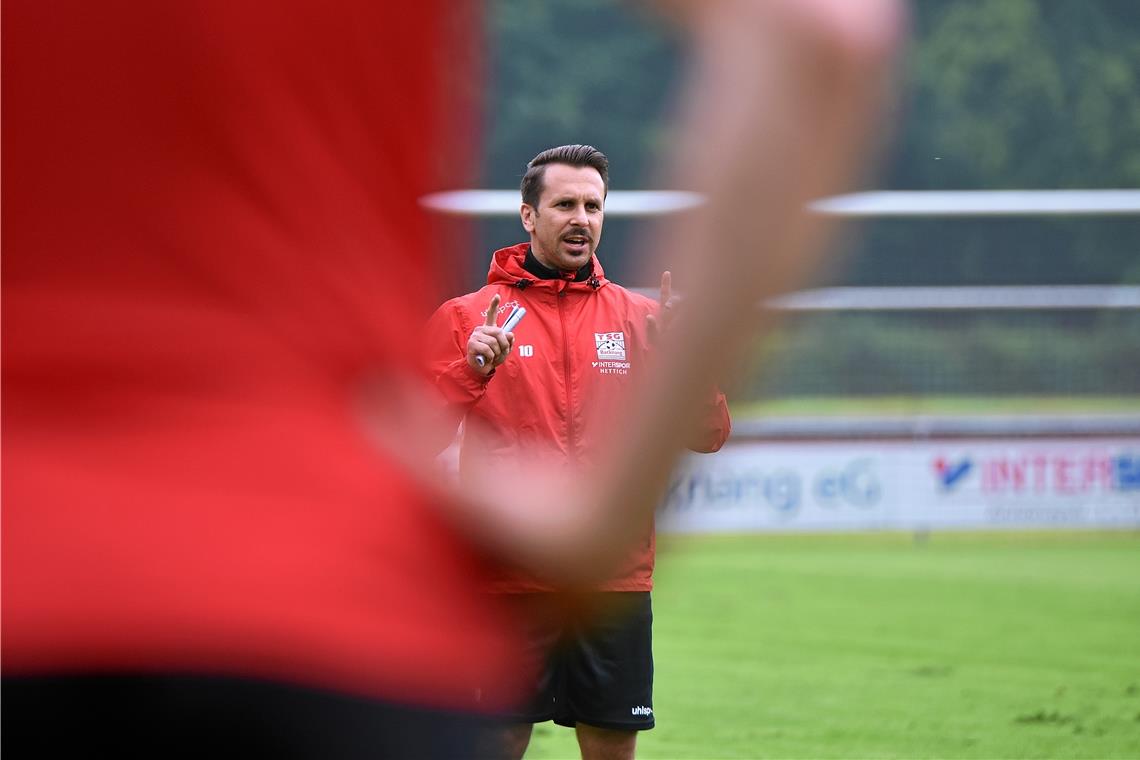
x=901, y=485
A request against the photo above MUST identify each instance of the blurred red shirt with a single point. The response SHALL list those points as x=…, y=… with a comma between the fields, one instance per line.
x=211, y=228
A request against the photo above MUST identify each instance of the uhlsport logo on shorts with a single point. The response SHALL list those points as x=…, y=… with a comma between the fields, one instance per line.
x=610, y=345
x=641, y=710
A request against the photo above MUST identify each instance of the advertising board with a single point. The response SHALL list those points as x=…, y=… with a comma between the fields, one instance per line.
x=862, y=485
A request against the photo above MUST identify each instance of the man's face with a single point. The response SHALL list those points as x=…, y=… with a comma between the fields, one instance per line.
x=567, y=225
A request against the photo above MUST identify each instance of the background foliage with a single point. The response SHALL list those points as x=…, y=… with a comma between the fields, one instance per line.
x=995, y=94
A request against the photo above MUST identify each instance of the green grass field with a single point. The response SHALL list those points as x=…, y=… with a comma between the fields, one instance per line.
x=1013, y=645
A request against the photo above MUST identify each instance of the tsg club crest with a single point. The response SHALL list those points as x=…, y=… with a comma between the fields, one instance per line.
x=610, y=345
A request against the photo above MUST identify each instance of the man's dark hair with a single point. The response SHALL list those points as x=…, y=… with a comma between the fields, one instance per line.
x=571, y=155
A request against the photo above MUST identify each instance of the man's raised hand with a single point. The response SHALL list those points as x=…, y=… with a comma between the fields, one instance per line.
x=667, y=303
x=489, y=342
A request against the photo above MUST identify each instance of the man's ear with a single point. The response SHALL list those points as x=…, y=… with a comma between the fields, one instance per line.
x=527, y=214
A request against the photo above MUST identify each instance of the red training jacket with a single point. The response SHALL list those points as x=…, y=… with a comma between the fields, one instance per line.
x=576, y=356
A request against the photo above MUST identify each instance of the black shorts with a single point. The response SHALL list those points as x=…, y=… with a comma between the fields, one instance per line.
x=598, y=660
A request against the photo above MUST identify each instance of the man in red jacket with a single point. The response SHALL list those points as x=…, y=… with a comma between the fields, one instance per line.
x=574, y=359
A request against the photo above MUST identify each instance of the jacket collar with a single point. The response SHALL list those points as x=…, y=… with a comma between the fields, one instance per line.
x=543, y=272
x=510, y=266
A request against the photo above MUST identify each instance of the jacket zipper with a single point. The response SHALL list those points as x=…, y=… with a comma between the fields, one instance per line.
x=571, y=445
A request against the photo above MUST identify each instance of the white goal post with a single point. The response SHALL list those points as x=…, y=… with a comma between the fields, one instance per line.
x=882, y=203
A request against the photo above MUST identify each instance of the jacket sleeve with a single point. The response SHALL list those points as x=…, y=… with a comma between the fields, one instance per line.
x=716, y=425
x=444, y=343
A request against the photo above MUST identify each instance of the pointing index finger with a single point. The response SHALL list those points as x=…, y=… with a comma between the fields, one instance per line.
x=666, y=287
x=493, y=311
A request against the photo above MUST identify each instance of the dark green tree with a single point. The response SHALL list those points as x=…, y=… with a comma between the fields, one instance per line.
x=995, y=94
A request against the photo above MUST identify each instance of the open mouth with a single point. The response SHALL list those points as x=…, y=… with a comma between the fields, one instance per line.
x=576, y=241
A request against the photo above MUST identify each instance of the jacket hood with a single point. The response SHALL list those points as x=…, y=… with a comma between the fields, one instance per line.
x=507, y=269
